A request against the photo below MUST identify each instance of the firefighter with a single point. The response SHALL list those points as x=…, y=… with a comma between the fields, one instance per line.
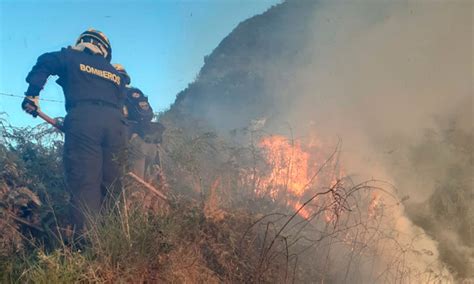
x=144, y=135
x=95, y=131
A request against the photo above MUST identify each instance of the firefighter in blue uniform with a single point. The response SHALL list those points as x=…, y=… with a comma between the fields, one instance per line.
x=137, y=109
x=144, y=135
x=95, y=133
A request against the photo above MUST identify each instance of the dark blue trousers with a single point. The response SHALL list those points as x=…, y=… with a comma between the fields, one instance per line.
x=95, y=141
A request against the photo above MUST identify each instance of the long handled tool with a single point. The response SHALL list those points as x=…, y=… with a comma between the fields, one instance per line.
x=41, y=114
x=54, y=123
x=148, y=186
x=50, y=120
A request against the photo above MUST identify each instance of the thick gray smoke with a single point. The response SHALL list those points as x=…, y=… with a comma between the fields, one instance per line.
x=378, y=72
x=380, y=75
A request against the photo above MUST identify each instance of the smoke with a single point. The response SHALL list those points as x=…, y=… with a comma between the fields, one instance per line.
x=381, y=76
x=378, y=71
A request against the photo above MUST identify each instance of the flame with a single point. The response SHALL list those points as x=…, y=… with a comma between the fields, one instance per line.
x=292, y=174
x=375, y=205
x=292, y=169
x=289, y=165
x=303, y=211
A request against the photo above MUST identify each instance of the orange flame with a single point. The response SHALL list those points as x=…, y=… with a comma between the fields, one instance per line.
x=291, y=176
x=375, y=205
x=289, y=164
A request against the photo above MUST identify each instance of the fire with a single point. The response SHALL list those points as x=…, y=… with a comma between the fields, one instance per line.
x=292, y=172
x=375, y=205
x=289, y=165
x=299, y=169
x=303, y=212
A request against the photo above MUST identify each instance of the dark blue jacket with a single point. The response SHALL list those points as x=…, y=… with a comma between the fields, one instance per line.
x=82, y=75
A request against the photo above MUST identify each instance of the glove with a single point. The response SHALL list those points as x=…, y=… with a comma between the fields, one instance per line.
x=30, y=104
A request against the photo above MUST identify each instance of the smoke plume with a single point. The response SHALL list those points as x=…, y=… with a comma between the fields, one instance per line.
x=391, y=80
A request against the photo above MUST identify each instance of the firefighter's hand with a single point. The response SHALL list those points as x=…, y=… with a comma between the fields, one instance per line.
x=30, y=104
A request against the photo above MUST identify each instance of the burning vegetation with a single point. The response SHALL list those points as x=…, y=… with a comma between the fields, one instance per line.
x=369, y=74
x=277, y=209
x=257, y=188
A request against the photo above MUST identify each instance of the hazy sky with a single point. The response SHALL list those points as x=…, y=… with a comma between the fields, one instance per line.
x=161, y=43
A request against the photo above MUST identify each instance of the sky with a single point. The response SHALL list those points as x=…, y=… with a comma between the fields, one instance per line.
x=162, y=44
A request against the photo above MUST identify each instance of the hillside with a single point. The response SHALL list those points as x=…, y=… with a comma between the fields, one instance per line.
x=231, y=88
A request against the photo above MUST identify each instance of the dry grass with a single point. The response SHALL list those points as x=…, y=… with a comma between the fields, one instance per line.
x=218, y=228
